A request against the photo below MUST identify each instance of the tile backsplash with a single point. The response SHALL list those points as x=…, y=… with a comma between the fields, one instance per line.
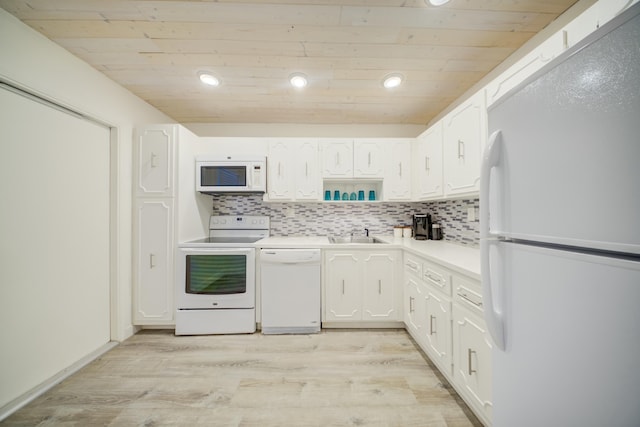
x=321, y=219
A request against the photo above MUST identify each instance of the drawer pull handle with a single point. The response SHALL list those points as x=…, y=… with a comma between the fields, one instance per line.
x=343, y=287
x=466, y=298
x=379, y=287
x=431, y=330
x=410, y=304
x=152, y=260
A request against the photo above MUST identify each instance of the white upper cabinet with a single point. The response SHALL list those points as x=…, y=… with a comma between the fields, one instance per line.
x=427, y=164
x=397, y=177
x=529, y=64
x=368, y=158
x=293, y=170
x=307, y=171
x=337, y=158
x=154, y=160
x=464, y=138
x=280, y=164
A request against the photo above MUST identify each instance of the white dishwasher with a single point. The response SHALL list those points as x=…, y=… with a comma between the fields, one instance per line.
x=290, y=291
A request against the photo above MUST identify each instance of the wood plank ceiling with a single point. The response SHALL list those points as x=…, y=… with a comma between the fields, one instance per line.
x=345, y=47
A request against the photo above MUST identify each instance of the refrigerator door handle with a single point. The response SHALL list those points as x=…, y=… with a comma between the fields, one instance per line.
x=490, y=160
x=493, y=315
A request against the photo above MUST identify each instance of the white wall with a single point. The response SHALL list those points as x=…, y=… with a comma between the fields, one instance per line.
x=31, y=61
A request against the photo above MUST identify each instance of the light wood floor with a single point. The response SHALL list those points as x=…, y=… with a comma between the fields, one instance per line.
x=335, y=378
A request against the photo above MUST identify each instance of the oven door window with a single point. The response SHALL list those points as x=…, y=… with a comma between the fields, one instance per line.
x=223, y=176
x=216, y=274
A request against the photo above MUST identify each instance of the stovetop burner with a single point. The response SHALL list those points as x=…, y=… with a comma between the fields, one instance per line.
x=227, y=240
x=233, y=231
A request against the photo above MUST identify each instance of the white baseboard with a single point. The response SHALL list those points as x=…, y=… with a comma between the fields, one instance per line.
x=46, y=385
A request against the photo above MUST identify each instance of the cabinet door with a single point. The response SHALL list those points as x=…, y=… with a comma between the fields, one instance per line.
x=343, y=287
x=427, y=164
x=472, y=359
x=415, y=309
x=438, y=330
x=307, y=176
x=154, y=160
x=280, y=171
x=463, y=141
x=337, y=158
x=153, y=286
x=368, y=159
x=379, y=300
x=397, y=179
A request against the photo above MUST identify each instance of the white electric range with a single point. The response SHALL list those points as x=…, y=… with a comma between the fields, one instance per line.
x=216, y=277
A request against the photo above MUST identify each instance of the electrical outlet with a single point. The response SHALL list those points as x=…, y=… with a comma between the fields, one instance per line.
x=471, y=214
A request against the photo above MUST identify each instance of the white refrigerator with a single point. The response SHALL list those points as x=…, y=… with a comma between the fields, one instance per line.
x=560, y=238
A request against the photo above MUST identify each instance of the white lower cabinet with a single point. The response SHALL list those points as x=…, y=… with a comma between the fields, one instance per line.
x=153, y=267
x=437, y=330
x=360, y=285
x=343, y=287
x=414, y=311
x=472, y=361
x=443, y=313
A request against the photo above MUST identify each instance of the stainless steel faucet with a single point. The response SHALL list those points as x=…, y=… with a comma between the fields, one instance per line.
x=366, y=232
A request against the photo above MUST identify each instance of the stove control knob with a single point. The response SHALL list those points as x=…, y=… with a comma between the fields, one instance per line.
x=215, y=221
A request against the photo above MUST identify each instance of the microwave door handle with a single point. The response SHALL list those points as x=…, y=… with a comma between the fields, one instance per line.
x=249, y=174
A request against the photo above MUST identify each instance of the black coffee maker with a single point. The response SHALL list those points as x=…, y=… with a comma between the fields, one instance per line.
x=422, y=226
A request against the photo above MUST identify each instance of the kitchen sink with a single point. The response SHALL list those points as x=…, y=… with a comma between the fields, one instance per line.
x=354, y=239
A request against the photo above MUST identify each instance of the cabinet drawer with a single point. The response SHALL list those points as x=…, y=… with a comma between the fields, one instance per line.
x=437, y=277
x=413, y=265
x=468, y=293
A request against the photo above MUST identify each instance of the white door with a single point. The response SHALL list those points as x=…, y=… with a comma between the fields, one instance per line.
x=397, y=180
x=337, y=158
x=427, y=163
x=368, y=159
x=564, y=314
x=153, y=282
x=343, y=287
x=463, y=142
x=154, y=156
x=307, y=167
x=379, y=301
x=281, y=182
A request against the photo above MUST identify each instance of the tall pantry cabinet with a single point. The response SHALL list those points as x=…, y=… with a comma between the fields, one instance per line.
x=153, y=224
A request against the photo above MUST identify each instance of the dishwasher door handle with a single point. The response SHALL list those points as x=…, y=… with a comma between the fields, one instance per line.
x=290, y=257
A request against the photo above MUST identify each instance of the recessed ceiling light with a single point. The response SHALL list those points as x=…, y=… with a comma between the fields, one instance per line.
x=298, y=80
x=392, y=80
x=209, y=79
x=437, y=2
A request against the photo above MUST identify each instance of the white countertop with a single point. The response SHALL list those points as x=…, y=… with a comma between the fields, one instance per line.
x=460, y=258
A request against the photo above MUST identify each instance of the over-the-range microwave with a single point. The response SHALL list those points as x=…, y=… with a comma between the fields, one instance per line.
x=231, y=174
